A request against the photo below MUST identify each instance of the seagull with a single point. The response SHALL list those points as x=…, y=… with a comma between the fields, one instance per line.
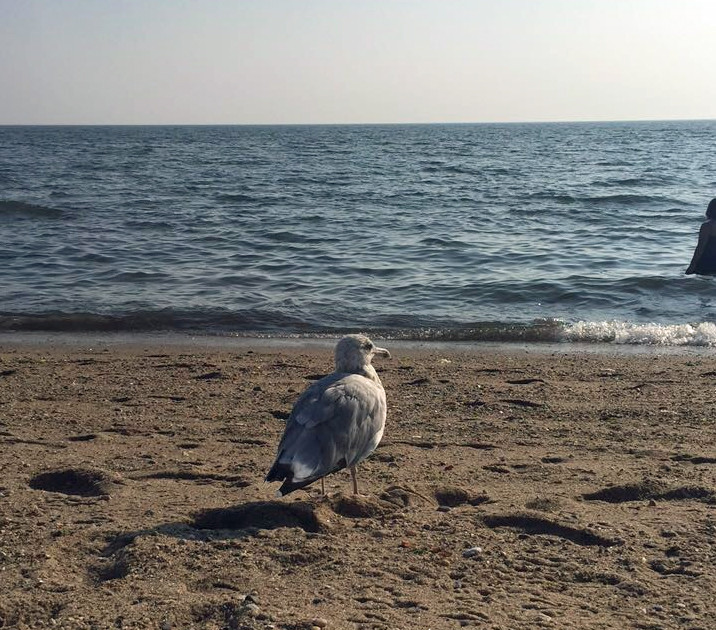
x=336, y=423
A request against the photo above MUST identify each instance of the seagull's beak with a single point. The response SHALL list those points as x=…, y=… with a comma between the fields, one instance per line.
x=381, y=352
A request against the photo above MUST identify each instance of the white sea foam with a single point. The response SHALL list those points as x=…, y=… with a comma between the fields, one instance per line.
x=701, y=334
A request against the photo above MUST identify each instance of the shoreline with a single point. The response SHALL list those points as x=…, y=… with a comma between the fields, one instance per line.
x=69, y=340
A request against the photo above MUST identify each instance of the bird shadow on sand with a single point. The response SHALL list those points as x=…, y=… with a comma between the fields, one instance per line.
x=239, y=521
x=314, y=516
x=124, y=553
x=119, y=557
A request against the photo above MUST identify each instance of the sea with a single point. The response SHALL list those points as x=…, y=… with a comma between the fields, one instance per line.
x=539, y=232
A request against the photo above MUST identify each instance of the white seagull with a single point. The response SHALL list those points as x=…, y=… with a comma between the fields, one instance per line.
x=336, y=423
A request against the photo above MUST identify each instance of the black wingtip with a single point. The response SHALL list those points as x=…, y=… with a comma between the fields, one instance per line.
x=289, y=486
x=278, y=472
x=283, y=472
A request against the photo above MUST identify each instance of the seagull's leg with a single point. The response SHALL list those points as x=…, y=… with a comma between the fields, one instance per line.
x=323, y=488
x=355, y=480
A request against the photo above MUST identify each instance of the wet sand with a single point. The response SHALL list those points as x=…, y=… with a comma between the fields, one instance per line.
x=513, y=489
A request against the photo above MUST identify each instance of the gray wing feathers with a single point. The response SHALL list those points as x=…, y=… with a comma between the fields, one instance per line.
x=337, y=422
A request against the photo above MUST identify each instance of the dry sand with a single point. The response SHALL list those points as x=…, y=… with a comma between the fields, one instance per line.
x=513, y=489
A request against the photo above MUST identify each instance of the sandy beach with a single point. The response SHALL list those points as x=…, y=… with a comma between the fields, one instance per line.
x=514, y=488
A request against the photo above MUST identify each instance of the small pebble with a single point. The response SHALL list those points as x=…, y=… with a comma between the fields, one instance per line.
x=320, y=622
x=251, y=598
x=471, y=552
x=252, y=610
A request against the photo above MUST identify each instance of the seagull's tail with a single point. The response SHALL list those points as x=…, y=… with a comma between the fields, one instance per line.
x=281, y=471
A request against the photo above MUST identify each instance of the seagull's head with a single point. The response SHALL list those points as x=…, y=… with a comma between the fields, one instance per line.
x=355, y=352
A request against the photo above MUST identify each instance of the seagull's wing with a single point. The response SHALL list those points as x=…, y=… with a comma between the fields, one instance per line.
x=336, y=423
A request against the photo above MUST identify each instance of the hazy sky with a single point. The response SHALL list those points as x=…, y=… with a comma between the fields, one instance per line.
x=354, y=61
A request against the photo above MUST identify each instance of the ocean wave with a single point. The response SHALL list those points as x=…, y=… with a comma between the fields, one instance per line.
x=146, y=224
x=436, y=241
x=237, y=197
x=557, y=197
x=134, y=277
x=183, y=320
x=699, y=334
x=287, y=236
x=10, y=207
x=612, y=163
x=95, y=257
x=621, y=181
x=625, y=199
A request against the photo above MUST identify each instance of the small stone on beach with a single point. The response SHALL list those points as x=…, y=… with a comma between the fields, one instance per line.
x=471, y=552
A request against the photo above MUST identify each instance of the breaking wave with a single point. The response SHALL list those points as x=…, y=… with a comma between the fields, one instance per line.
x=699, y=334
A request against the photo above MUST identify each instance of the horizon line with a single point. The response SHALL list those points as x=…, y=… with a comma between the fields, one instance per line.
x=361, y=124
